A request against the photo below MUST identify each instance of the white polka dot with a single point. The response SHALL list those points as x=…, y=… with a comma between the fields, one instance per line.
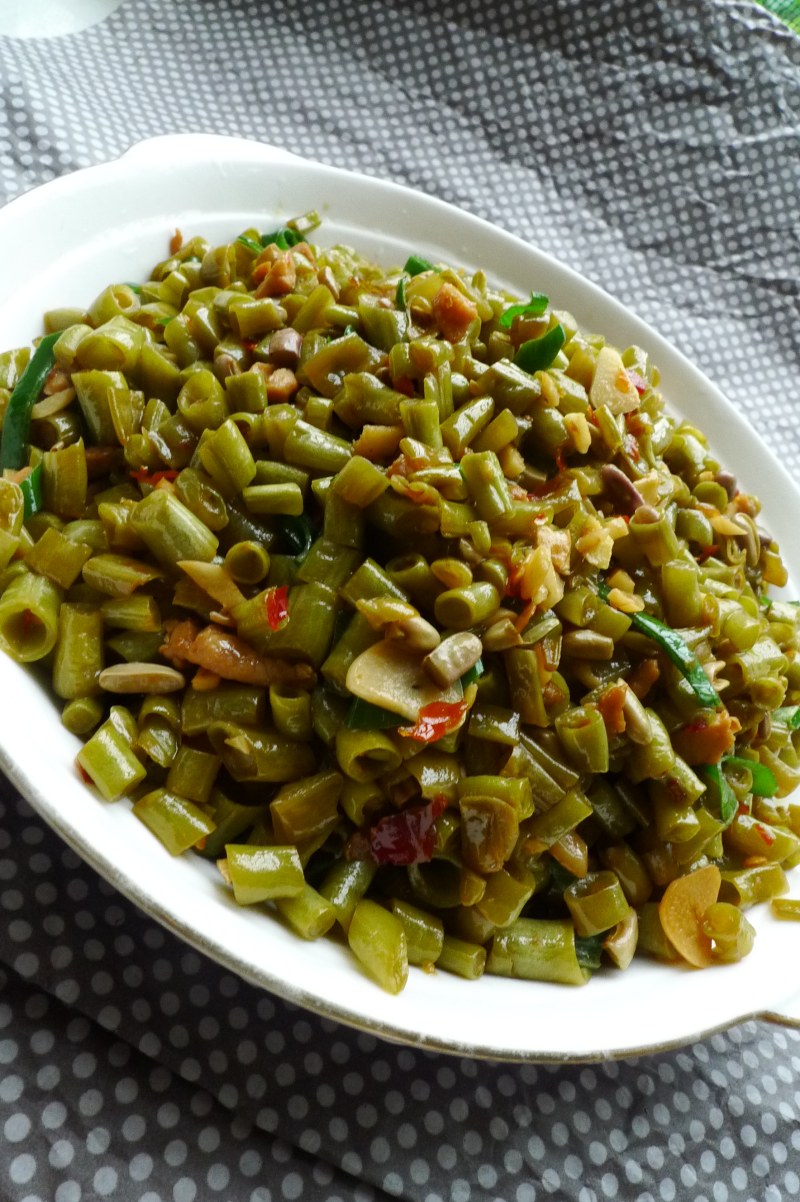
x=105, y=1181
x=68, y=1191
x=61, y=1154
x=98, y=1141
x=17, y=1128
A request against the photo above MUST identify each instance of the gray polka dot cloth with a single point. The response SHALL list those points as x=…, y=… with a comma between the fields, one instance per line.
x=653, y=147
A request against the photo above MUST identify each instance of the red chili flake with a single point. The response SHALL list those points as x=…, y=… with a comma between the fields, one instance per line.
x=276, y=603
x=766, y=835
x=696, y=726
x=560, y=461
x=29, y=621
x=175, y=242
x=84, y=775
x=407, y=837
x=435, y=721
x=249, y=344
x=707, y=552
x=403, y=384
x=146, y=477
x=639, y=382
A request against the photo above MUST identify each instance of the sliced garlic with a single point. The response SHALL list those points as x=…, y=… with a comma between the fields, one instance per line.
x=612, y=386
x=141, y=678
x=390, y=677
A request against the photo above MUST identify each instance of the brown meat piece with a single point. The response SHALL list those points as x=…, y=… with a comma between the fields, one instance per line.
x=281, y=277
x=453, y=312
x=707, y=739
x=231, y=658
x=180, y=636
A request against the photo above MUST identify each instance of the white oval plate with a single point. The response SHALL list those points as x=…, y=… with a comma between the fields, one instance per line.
x=65, y=241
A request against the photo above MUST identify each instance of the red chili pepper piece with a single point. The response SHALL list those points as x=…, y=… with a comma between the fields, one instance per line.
x=277, y=606
x=407, y=837
x=767, y=836
x=435, y=721
x=146, y=477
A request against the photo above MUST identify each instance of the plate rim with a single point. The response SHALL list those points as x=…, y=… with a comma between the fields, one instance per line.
x=188, y=145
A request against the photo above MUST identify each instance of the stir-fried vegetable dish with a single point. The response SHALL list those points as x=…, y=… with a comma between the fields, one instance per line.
x=404, y=601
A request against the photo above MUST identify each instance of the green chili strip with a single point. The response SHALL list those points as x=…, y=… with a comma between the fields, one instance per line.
x=720, y=793
x=535, y=307
x=32, y=491
x=764, y=782
x=13, y=447
x=415, y=265
x=255, y=247
x=363, y=715
x=538, y=353
x=676, y=649
x=284, y=237
x=681, y=655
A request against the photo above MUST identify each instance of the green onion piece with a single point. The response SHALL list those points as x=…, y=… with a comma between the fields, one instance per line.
x=255, y=247
x=32, y=491
x=297, y=534
x=473, y=673
x=363, y=715
x=681, y=655
x=788, y=714
x=764, y=782
x=400, y=294
x=415, y=265
x=284, y=237
x=720, y=794
x=535, y=307
x=13, y=447
x=538, y=353
x=589, y=950
x=560, y=878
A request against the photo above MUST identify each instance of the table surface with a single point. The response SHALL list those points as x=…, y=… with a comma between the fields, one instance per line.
x=653, y=148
